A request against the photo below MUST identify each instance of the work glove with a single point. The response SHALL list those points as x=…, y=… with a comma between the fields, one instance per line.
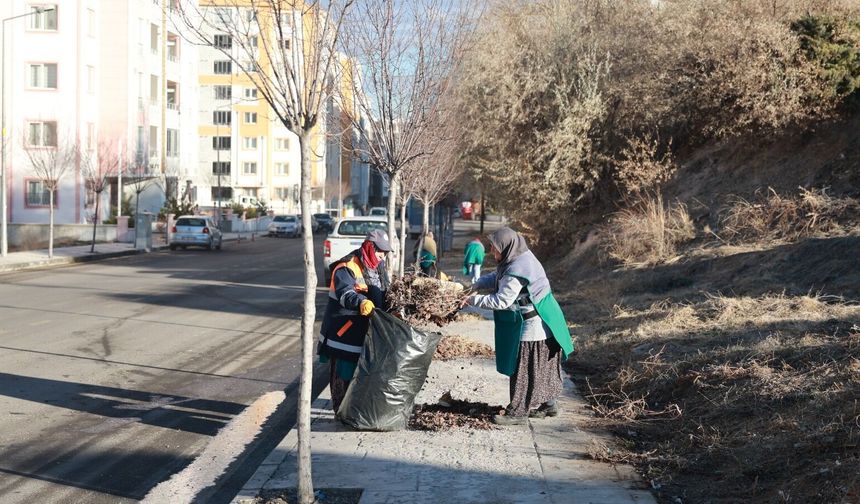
x=366, y=307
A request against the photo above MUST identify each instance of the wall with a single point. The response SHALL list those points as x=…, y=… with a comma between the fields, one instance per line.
x=35, y=236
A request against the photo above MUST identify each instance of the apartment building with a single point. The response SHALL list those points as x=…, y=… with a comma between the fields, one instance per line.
x=51, y=86
x=148, y=96
x=246, y=155
x=80, y=72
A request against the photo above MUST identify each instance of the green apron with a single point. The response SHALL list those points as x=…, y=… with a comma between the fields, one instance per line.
x=509, y=327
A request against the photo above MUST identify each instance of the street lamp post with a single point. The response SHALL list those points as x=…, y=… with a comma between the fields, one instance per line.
x=4, y=243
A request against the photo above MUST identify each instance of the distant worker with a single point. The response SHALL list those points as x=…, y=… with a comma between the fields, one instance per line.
x=473, y=259
x=427, y=258
x=358, y=286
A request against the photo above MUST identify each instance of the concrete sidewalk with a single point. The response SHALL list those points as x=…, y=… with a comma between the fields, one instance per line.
x=542, y=462
x=29, y=259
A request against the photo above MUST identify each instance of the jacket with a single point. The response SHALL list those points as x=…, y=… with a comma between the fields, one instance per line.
x=474, y=254
x=343, y=327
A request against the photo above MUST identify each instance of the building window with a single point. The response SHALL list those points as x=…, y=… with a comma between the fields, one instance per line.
x=153, y=141
x=223, y=67
x=153, y=38
x=251, y=93
x=91, y=23
x=250, y=118
x=282, y=193
x=252, y=41
x=249, y=168
x=221, y=143
x=220, y=167
x=249, y=65
x=42, y=134
x=223, y=92
x=249, y=143
x=42, y=19
x=38, y=194
x=222, y=193
x=286, y=44
x=91, y=80
x=42, y=75
x=221, y=117
x=282, y=144
x=282, y=169
x=91, y=137
x=223, y=41
x=250, y=15
x=172, y=142
x=153, y=88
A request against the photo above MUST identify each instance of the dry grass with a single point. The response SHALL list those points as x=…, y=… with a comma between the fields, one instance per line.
x=455, y=347
x=774, y=217
x=648, y=232
x=420, y=300
x=732, y=398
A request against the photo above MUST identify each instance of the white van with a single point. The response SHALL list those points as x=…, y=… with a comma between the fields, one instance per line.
x=378, y=211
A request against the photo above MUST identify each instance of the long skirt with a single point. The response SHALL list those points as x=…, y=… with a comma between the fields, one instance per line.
x=537, y=378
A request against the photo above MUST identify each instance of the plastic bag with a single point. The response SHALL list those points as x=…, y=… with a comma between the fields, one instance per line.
x=390, y=373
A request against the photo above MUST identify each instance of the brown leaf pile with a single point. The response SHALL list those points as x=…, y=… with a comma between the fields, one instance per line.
x=453, y=414
x=419, y=300
x=453, y=347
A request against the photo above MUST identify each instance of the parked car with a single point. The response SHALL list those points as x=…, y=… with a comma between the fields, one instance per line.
x=378, y=210
x=325, y=222
x=197, y=231
x=348, y=235
x=285, y=225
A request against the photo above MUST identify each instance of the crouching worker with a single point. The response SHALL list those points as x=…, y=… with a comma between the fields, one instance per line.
x=358, y=286
x=532, y=337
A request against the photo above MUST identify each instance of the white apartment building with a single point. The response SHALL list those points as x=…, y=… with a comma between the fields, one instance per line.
x=51, y=97
x=90, y=71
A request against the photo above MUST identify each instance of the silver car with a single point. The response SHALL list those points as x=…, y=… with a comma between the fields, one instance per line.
x=285, y=225
x=195, y=231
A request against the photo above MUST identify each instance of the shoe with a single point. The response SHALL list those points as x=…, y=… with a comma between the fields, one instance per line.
x=509, y=420
x=547, y=409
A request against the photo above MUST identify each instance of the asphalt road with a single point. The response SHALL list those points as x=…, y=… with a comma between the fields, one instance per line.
x=115, y=375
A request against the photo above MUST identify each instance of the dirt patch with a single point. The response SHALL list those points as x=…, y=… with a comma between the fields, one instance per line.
x=453, y=414
x=321, y=496
x=454, y=347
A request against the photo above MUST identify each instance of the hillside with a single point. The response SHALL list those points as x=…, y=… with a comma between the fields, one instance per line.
x=730, y=369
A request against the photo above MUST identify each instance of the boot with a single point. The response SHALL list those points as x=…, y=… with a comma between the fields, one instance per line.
x=547, y=409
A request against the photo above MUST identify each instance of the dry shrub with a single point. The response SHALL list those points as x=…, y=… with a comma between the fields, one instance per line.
x=648, y=232
x=644, y=164
x=752, y=379
x=773, y=217
x=419, y=300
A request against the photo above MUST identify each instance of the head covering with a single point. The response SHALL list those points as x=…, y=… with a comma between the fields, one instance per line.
x=379, y=238
x=375, y=240
x=510, y=244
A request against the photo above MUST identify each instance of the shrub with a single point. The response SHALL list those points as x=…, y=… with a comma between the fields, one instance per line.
x=772, y=217
x=833, y=45
x=648, y=232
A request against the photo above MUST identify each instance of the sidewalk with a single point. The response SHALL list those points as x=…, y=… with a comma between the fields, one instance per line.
x=29, y=259
x=542, y=462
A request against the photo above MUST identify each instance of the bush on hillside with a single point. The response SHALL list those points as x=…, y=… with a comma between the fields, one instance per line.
x=556, y=95
x=833, y=44
x=648, y=232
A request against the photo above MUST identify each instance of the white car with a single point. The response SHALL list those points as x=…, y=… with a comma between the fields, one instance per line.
x=348, y=234
x=378, y=210
x=285, y=225
x=195, y=231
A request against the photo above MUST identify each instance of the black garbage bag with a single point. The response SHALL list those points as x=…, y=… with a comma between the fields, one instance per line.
x=390, y=373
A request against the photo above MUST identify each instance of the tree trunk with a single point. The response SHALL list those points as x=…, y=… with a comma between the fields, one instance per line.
x=425, y=228
x=305, y=480
x=136, y=214
x=393, y=187
x=403, y=230
x=483, y=213
x=51, y=224
x=95, y=222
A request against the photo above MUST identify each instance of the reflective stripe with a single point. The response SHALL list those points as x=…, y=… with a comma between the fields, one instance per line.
x=339, y=346
x=345, y=328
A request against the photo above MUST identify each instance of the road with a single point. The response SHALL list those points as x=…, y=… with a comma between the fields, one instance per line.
x=116, y=375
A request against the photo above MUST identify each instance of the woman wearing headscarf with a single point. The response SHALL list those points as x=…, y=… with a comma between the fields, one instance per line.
x=532, y=337
x=358, y=286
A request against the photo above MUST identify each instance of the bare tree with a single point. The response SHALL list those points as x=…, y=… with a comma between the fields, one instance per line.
x=286, y=48
x=139, y=176
x=435, y=172
x=51, y=156
x=97, y=166
x=405, y=54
